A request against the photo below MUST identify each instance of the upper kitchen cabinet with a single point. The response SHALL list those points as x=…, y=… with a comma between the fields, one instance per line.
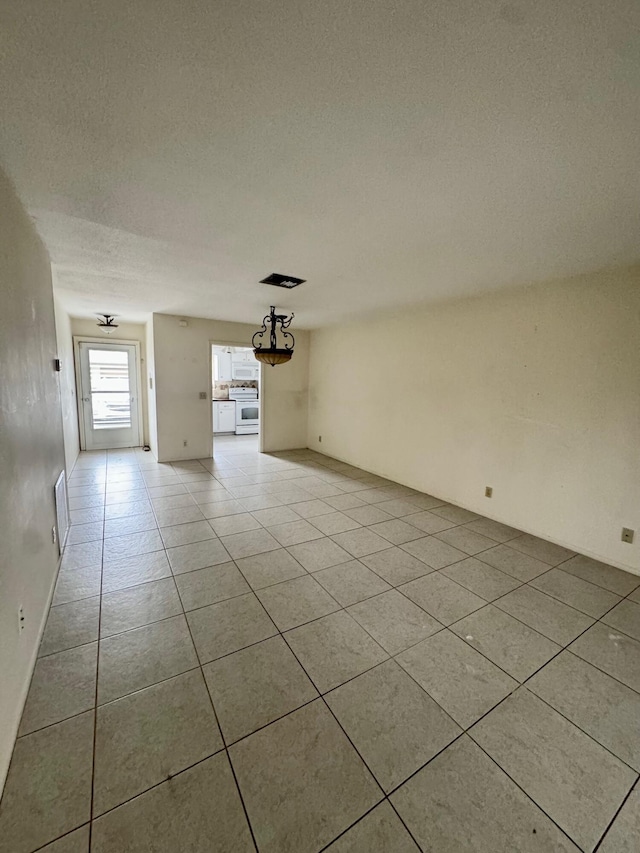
x=243, y=357
x=222, y=365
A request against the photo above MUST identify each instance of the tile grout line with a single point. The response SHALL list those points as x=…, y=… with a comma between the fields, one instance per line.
x=584, y=732
x=387, y=484
x=462, y=732
x=110, y=701
x=518, y=686
x=466, y=731
x=526, y=583
x=137, y=796
x=225, y=746
x=95, y=708
x=345, y=609
x=539, y=807
x=522, y=583
x=390, y=657
x=426, y=535
x=322, y=697
x=65, y=835
x=341, y=607
x=360, y=819
x=617, y=812
x=217, y=722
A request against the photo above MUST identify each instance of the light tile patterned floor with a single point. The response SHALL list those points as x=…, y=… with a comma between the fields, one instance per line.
x=286, y=654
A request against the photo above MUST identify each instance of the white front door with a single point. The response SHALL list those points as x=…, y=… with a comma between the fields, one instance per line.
x=108, y=395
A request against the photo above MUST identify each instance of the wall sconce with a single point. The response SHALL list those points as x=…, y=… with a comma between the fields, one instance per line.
x=273, y=354
x=107, y=325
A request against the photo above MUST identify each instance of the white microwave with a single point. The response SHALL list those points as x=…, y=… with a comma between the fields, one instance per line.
x=245, y=371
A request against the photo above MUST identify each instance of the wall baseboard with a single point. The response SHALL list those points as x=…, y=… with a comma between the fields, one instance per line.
x=533, y=532
x=4, y=771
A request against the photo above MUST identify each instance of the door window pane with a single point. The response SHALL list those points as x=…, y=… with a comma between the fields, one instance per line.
x=109, y=370
x=111, y=410
x=109, y=379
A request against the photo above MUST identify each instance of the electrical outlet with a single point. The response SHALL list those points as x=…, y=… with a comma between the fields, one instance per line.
x=320, y=439
x=488, y=491
x=54, y=534
x=20, y=619
x=627, y=535
x=184, y=443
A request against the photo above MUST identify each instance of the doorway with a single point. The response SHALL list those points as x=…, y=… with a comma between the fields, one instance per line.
x=108, y=397
x=236, y=399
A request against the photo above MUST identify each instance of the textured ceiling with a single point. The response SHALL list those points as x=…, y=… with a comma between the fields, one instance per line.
x=174, y=153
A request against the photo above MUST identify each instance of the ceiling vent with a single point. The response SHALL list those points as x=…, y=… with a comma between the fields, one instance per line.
x=278, y=280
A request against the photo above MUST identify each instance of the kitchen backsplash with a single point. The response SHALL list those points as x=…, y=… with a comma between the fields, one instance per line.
x=221, y=387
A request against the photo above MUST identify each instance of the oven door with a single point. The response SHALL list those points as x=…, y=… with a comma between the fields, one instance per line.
x=247, y=416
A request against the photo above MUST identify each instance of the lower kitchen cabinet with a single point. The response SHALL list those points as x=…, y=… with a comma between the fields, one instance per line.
x=224, y=416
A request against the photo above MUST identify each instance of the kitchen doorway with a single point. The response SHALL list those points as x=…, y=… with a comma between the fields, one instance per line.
x=236, y=399
x=108, y=394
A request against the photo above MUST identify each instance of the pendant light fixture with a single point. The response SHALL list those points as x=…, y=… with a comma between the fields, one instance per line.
x=273, y=354
x=107, y=324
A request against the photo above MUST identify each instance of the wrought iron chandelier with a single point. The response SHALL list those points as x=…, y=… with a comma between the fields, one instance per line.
x=273, y=354
x=107, y=325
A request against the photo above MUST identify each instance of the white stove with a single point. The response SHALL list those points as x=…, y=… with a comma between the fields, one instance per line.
x=247, y=410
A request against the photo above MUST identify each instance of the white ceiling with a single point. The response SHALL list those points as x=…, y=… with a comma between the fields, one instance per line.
x=390, y=152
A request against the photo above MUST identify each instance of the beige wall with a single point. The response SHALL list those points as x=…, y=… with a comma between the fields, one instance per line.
x=67, y=379
x=31, y=455
x=87, y=327
x=183, y=369
x=534, y=392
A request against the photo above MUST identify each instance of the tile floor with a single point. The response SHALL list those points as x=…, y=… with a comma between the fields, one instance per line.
x=283, y=653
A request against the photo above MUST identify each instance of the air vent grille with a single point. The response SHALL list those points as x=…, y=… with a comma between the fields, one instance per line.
x=279, y=280
x=62, y=510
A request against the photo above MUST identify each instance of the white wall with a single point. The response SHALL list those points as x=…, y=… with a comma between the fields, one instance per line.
x=126, y=332
x=183, y=369
x=67, y=380
x=535, y=392
x=31, y=455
